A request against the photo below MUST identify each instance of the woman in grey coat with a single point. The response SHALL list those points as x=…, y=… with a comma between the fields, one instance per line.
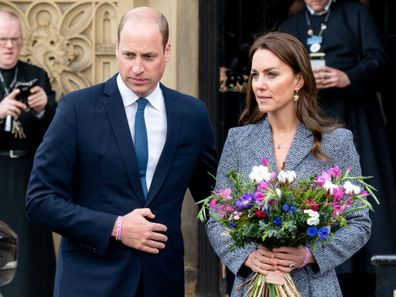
x=281, y=122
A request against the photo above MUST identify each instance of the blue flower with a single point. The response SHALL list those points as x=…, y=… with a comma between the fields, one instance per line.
x=324, y=233
x=245, y=202
x=288, y=208
x=277, y=221
x=312, y=231
x=285, y=207
x=232, y=224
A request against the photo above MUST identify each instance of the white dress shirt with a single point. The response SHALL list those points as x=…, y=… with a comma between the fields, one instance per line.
x=155, y=118
x=325, y=9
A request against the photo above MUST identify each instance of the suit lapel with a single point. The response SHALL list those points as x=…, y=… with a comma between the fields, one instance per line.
x=173, y=130
x=115, y=111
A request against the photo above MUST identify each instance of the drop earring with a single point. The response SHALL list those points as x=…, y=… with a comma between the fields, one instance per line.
x=296, y=96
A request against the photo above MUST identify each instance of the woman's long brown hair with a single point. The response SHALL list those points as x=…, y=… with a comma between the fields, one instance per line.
x=292, y=52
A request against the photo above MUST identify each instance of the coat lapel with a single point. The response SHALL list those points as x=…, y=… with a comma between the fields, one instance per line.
x=115, y=111
x=300, y=148
x=262, y=146
x=173, y=130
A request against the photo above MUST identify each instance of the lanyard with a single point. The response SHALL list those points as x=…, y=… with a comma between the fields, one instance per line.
x=314, y=41
x=323, y=25
x=7, y=89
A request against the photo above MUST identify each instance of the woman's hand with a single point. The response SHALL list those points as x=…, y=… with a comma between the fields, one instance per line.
x=290, y=258
x=261, y=261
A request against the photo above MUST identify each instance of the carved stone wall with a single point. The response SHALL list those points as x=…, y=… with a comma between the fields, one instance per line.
x=74, y=41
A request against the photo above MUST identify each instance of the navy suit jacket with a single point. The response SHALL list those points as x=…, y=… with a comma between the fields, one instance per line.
x=85, y=174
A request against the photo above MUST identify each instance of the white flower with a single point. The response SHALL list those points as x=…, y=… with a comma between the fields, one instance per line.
x=287, y=177
x=313, y=217
x=351, y=189
x=260, y=173
x=278, y=192
x=329, y=186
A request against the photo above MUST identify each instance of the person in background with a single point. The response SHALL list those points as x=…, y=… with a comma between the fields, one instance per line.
x=347, y=57
x=112, y=171
x=281, y=122
x=23, y=122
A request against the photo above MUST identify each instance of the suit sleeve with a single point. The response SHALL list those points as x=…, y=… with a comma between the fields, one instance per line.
x=371, y=55
x=50, y=199
x=347, y=240
x=220, y=242
x=202, y=181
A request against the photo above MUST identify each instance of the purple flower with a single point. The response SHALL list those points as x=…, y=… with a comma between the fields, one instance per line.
x=324, y=233
x=312, y=231
x=265, y=162
x=277, y=221
x=245, y=202
x=334, y=171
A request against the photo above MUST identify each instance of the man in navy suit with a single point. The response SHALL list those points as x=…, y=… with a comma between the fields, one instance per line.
x=118, y=239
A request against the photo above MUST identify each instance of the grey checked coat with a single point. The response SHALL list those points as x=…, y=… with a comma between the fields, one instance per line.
x=245, y=147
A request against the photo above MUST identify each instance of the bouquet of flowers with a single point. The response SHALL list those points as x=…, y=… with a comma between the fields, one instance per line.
x=272, y=210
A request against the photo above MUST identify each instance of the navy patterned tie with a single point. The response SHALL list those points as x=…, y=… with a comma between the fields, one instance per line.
x=141, y=146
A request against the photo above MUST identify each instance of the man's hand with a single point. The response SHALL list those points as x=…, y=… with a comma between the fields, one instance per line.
x=38, y=99
x=328, y=77
x=10, y=106
x=141, y=234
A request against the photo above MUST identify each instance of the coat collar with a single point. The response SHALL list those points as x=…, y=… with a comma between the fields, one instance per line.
x=263, y=147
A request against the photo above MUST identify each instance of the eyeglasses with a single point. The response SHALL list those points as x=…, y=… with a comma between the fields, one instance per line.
x=14, y=41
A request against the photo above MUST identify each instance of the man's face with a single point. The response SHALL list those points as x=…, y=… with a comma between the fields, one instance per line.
x=10, y=41
x=317, y=5
x=141, y=56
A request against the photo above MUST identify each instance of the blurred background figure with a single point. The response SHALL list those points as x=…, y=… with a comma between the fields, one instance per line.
x=24, y=118
x=347, y=57
x=8, y=254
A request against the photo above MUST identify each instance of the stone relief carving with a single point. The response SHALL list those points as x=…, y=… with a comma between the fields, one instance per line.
x=73, y=42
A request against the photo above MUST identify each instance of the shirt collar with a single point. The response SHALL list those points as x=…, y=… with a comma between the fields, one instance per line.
x=129, y=97
x=325, y=9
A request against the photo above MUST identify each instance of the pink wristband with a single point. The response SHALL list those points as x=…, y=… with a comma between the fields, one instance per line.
x=119, y=225
x=306, y=256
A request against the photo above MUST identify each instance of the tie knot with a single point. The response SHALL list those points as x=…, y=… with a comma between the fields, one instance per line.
x=142, y=102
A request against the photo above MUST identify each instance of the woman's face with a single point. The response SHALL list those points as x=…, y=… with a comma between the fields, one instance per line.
x=317, y=5
x=273, y=82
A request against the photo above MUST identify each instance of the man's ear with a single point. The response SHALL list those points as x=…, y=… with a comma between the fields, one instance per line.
x=167, y=53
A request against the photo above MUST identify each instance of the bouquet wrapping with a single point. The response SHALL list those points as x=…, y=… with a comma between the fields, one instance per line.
x=273, y=209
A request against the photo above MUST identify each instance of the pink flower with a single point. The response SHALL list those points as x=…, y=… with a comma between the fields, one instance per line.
x=334, y=171
x=213, y=203
x=263, y=186
x=323, y=178
x=259, y=198
x=225, y=194
x=338, y=192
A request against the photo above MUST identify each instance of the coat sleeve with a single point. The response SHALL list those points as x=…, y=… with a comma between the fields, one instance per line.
x=51, y=198
x=218, y=238
x=347, y=240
